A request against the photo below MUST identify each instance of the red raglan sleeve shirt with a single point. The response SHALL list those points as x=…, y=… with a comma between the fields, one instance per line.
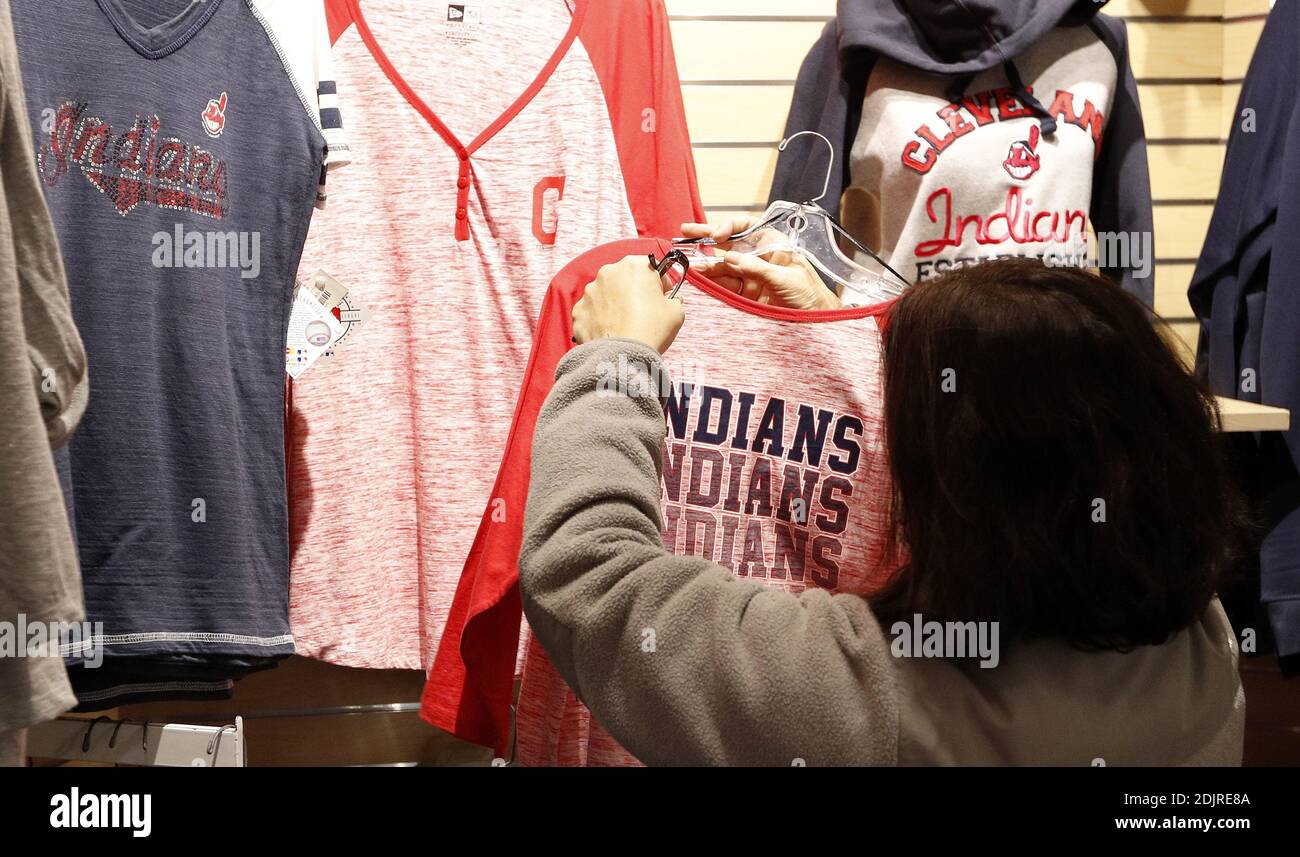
x=470, y=685
x=493, y=149
x=648, y=115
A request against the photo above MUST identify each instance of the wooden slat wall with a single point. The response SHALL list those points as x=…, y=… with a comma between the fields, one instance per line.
x=738, y=60
x=1189, y=57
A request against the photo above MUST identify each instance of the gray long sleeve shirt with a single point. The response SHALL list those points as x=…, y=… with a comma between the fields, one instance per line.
x=683, y=663
x=42, y=396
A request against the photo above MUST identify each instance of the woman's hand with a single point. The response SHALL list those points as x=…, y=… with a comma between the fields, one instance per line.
x=784, y=279
x=627, y=301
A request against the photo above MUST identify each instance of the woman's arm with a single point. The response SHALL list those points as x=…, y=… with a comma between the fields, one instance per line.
x=680, y=661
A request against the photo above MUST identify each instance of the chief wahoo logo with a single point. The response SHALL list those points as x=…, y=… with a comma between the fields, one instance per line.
x=214, y=116
x=1022, y=157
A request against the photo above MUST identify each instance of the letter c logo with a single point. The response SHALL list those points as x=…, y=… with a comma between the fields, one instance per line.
x=540, y=206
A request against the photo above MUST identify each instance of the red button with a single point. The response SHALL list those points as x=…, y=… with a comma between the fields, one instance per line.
x=461, y=214
x=463, y=183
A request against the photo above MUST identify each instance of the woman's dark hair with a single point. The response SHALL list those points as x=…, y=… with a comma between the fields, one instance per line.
x=1056, y=467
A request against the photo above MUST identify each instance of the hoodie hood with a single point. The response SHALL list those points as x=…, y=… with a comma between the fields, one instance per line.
x=953, y=36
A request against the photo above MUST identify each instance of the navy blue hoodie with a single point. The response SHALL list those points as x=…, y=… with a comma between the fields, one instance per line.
x=1246, y=295
x=969, y=129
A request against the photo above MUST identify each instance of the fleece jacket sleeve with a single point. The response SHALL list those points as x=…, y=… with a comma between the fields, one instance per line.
x=1121, y=187
x=680, y=661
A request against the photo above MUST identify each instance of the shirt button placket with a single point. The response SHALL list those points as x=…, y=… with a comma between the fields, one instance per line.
x=462, y=197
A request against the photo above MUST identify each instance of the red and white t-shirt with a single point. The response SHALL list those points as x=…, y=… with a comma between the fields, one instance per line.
x=774, y=466
x=494, y=141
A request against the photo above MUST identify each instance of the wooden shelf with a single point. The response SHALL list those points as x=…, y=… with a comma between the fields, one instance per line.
x=1247, y=416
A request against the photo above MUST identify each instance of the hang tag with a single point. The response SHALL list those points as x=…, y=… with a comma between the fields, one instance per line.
x=313, y=329
x=321, y=300
x=328, y=291
x=350, y=316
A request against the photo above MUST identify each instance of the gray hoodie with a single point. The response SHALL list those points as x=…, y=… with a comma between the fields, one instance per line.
x=971, y=129
x=741, y=674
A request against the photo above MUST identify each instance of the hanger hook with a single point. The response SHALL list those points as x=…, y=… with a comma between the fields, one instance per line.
x=85, y=741
x=216, y=740
x=830, y=167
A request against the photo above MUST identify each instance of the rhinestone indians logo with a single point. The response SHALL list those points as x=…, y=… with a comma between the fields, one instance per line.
x=134, y=167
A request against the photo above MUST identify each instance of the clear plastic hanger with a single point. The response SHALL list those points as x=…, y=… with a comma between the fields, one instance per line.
x=811, y=231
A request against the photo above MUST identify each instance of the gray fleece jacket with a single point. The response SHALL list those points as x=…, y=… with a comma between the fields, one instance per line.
x=683, y=663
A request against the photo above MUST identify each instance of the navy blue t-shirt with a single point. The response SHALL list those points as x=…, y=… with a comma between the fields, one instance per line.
x=182, y=147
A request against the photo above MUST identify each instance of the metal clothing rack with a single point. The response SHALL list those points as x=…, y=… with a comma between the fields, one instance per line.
x=126, y=742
